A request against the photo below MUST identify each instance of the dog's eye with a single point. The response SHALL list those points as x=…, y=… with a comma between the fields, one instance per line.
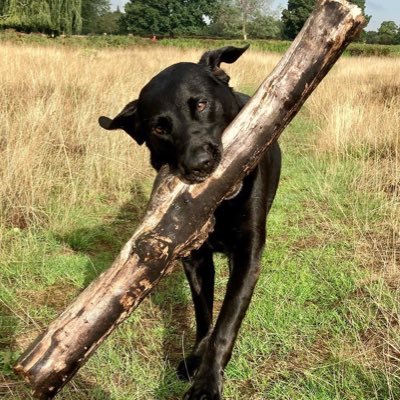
x=201, y=105
x=159, y=130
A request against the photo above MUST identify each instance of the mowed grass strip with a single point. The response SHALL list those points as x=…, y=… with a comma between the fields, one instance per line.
x=324, y=322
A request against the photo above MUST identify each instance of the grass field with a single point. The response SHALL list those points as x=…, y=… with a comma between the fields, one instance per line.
x=325, y=319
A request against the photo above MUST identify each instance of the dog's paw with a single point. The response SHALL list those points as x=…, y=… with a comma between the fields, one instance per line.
x=188, y=367
x=205, y=387
x=202, y=394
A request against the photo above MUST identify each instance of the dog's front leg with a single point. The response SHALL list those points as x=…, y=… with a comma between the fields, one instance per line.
x=199, y=270
x=245, y=267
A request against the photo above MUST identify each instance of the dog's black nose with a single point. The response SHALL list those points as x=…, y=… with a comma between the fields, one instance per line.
x=202, y=162
x=198, y=163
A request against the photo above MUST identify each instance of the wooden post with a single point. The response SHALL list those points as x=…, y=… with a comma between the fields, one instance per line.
x=179, y=216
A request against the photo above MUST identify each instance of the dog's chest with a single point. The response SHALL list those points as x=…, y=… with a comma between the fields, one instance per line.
x=230, y=221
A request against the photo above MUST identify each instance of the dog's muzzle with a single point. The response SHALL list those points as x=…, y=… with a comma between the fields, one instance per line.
x=200, y=163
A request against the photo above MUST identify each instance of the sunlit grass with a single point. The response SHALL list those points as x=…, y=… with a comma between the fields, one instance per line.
x=324, y=323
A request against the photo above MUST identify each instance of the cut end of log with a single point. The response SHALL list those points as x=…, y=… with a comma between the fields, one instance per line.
x=20, y=370
x=40, y=392
x=354, y=11
x=48, y=394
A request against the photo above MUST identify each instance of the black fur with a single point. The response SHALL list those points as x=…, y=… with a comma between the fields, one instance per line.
x=180, y=115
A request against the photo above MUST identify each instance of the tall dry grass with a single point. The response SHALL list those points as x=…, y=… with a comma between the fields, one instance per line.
x=52, y=152
x=53, y=155
x=357, y=107
x=357, y=113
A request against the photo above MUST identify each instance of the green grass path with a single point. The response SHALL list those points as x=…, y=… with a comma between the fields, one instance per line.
x=321, y=325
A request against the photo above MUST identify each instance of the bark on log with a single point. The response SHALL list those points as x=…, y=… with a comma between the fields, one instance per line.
x=178, y=218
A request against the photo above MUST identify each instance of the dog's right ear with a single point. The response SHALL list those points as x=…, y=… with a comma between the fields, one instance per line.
x=228, y=54
x=213, y=59
x=127, y=120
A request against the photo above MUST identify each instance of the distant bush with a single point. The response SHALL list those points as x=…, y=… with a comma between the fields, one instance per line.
x=104, y=41
x=368, y=50
x=100, y=41
x=275, y=46
x=109, y=41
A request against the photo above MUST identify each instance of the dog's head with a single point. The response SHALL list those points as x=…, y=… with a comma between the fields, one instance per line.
x=181, y=114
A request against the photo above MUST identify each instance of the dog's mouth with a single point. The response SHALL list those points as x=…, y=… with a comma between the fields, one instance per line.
x=198, y=176
x=196, y=172
x=194, y=177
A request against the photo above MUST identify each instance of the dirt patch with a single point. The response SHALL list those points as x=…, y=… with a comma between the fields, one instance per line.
x=380, y=253
x=378, y=346
x=380, y=349
x=57, y=296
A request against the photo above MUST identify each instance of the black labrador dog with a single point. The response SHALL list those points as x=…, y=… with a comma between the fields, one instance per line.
x=180, y=116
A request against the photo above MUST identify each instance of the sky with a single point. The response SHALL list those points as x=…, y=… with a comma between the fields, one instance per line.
x=380, y=10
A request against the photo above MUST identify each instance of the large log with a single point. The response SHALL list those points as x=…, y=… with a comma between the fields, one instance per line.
x=179, y=216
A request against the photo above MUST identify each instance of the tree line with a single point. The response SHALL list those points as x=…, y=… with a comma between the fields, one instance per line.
x=52, y=16
x=216, y=18
x=388, y=33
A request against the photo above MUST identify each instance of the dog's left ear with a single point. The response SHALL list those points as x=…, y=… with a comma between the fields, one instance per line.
x=213, y=59
x=126, y=120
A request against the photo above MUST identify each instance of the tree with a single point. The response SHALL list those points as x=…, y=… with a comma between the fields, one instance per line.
x=245, y=18
x=371, y=37
x=108, y=22
x=388, y=33
x=294, y=17
x=33, y=15
x=2, y=4
x=247, y=8
x=70, y=16
x=187, y=17
x=42, y=15
x=142, y=19
x=227, y=21
x=167, y=17
x=92, y=10
x=265, y=27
